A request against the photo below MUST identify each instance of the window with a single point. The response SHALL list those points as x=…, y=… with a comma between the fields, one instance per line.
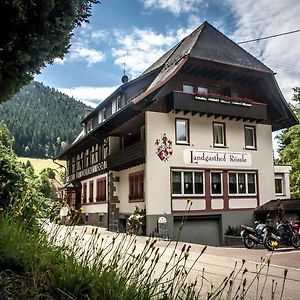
x=242, y=183
x=216, y=183
x=186, y=88
x=250, y=137
x=101, y=190
x=202, y=90
x=114, y=106
x=91, y=198
x=187, y=183
x=279, y=184
x=89, y=125
x=119, y=102
x=182, y=131
x=219, y=134
x=136, y=186
x=102, y=115
x=215, y=89
x=84, y=191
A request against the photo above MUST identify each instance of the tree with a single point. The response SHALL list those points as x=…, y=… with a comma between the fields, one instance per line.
x=289, y=149
x=34, y=33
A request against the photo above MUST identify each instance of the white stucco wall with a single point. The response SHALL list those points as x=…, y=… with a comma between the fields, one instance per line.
x=126, y=207
x=158, y=185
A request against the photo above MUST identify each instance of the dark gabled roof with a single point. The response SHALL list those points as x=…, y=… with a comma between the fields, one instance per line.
x=212, y=45
x=289, y=205
x=207, y=43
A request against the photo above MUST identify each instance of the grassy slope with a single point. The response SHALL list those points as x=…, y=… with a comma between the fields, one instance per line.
x=40, y=164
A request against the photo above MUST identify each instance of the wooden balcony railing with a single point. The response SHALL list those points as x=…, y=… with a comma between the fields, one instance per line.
x=217, y=105
x=128, y=157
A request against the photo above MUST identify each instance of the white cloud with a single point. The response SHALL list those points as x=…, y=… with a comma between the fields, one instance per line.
x=142, y=47
x=89, y=95
x=80, y=52
x=259, y=18
x=176, y=7
x=99, y=35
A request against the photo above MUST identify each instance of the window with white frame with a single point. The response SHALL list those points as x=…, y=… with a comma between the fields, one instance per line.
x=187, y=88
x=216, y=183
x=219, y=134
x=241, y=183
x=250, y=137
x=186, y=183
x=114, y=106
x=119, y=102
x=279, y=184
x=202, y=90
x=182, y=131
x=102, y=115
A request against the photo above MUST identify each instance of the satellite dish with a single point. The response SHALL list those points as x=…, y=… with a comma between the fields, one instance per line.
x=124, y=78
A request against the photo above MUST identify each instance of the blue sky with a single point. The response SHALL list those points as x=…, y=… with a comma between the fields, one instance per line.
x=138, y=32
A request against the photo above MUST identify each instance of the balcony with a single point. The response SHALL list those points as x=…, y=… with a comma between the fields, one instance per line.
x=128, y=157
x=218, y=106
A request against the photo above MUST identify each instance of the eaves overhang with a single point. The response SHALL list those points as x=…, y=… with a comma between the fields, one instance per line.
x=102, y=130
x=119, y=90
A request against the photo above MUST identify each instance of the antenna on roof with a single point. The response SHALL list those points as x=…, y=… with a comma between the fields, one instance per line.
x=124, y=77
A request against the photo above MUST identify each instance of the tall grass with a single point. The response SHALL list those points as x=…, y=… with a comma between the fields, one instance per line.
x=73, y=262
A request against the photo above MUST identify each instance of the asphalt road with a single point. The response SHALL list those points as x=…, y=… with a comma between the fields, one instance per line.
x=219, y=262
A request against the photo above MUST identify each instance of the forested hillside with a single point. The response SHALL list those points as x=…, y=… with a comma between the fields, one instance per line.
x=42, y=120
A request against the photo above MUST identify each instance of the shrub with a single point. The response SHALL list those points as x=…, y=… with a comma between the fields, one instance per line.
x=233, y=230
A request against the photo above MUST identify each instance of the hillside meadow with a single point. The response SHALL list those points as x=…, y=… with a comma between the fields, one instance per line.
x=40, y=164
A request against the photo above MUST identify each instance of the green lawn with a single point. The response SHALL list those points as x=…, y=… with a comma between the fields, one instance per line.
x=40, y=164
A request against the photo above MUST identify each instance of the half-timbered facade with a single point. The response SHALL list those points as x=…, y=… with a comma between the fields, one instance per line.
x=196, y=125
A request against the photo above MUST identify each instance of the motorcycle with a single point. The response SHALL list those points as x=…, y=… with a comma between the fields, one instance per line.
x=252, y=236
x=285, y=234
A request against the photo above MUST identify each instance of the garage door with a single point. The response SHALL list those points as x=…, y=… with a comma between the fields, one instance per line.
x=199, y=230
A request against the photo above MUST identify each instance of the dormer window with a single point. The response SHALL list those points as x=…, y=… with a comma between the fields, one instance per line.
x=119, y=102
x=89, y=125
x=102, y=115
x=114, y=106
x=202, y=90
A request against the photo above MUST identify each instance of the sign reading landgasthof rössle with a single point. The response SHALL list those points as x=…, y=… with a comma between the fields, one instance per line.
x=217, y=158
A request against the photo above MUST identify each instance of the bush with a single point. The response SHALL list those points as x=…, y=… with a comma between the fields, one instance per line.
x=233, y=230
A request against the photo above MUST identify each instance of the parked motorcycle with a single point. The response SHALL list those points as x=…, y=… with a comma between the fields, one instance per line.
x=285, y=234
x=252, y=236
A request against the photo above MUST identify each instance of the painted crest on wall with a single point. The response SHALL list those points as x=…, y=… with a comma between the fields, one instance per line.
x=164, y=148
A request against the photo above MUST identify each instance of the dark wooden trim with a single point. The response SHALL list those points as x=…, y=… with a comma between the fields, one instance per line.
x=255, y=138
x=177, y=100
x=187, y=197
x=204, y=211
x=127, y=157
x=84, y=193
x=225, y=190
x=208, y=196
x=95, y=203
x=135, y=201
x=188, y=132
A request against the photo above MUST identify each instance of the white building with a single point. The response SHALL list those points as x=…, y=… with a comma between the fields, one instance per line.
x=196, y=125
